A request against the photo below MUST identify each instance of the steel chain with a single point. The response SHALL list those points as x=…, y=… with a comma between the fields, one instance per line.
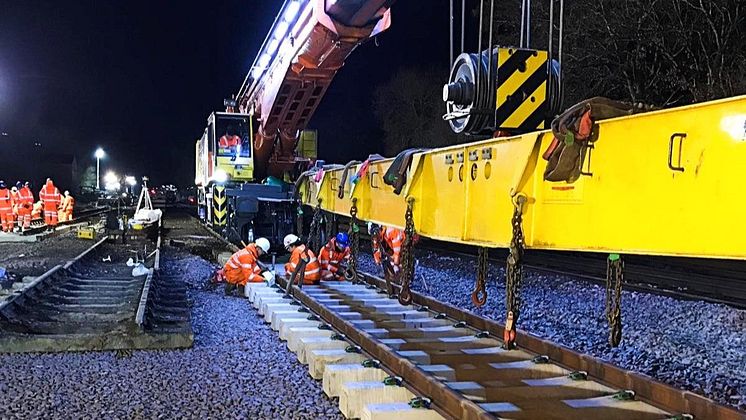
x=315, y=230
x=407, y=272
x=354, y=240
x=329, y=227
x=479, y=295
x=299, y=219
x=614, y=279
x=514, y=273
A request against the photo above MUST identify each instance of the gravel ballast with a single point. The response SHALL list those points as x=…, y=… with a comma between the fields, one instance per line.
x=687, y=344
x=238, y=367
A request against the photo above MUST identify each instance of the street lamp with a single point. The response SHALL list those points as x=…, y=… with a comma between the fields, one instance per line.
x=99, y=155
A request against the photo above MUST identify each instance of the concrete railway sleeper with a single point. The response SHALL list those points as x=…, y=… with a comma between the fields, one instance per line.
x=382, y=358
x=96, y=301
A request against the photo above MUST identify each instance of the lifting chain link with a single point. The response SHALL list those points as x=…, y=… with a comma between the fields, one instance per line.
x=354, y=233
x=514, y=273
x=329, y=222
x=614, y=278
x=407, y=263
x=315, y=230
x=479, y=295
x=299, y=219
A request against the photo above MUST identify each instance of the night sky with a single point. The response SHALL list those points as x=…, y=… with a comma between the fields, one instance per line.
x=140, y=78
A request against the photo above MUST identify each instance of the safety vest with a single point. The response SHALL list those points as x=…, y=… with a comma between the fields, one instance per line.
x=312, y=273
x=392, y=239
x=242, y=267
x=49, y=194
x=26, y=197
x=6, y=201
x=330, y=258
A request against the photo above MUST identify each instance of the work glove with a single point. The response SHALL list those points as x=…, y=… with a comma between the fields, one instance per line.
x=269, y=277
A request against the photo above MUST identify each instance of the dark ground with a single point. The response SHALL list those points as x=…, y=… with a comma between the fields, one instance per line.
x=238, y=367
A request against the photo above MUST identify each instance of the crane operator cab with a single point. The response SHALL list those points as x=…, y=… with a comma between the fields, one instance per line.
x=230, y=136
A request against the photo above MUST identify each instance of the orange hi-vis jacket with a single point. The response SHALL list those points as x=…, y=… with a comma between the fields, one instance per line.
x=330, y=258
x=242, y=267
x=6, y=201
x=15, y=198
x=26, y=197
x=50, y=195
x=393, y=238
x=68, y=203
x=313, y=270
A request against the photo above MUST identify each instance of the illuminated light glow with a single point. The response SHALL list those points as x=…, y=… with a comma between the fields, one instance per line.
x=264, y=61
x=735, y=126
x=220, y=176
x=292, y=10
x=99, y=153
x=110, y=178
x=272, y=47
x=281, y=30
x=130, y=180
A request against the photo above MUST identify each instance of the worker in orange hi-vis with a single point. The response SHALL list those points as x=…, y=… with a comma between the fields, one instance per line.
x=6, y=208
x=25, y=206
x=50, y=195
x=243, y=267
x=16, y=199
x=66, y=209
x=299, y=251
x=334, y=257
x=387, y=240
x=37, y=211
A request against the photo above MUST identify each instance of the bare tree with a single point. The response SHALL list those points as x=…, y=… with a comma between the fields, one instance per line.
x=410, y=109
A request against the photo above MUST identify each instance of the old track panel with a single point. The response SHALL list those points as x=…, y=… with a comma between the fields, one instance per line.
x=90, y=305
x=660, y=183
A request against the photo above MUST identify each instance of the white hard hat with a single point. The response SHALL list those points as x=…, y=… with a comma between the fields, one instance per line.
x=262, y=243
x=289, y=240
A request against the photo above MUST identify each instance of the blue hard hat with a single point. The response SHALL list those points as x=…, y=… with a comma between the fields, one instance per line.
x=343, y=240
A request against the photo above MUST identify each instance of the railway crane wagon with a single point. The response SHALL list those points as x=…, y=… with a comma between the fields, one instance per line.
x=261, y=135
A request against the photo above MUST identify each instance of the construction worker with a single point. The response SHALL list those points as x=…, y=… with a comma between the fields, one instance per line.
x=66, y=209
x=243, y=267
x=15, y=198
x=25, y=206
x=389, y=241
x=6, y=208
x=37, y=210
x=299, y=251
x=50, y=196
x=334, y=257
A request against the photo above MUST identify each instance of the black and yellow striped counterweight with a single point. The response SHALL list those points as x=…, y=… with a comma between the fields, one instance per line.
x=512, y=96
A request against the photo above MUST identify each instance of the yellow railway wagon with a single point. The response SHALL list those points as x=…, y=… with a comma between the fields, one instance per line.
x=668, y=182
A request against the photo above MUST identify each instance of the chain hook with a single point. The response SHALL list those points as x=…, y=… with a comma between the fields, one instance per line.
x=514, y=271
x=479, y=295
x=354, y=233
x=405, y=294
x=614, y=279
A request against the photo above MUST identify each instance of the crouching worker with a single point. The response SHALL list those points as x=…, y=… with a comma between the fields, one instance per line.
x=300, y=252
x=387, y=243
x=243, y=267
x=334, y=257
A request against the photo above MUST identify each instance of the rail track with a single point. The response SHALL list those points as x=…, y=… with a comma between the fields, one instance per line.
x=95, y=302
x=432, y=354
x=38, y=226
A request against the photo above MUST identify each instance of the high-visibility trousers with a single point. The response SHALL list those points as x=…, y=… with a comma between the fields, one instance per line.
x=50, y=217
x=6, y=220
x=24, y=217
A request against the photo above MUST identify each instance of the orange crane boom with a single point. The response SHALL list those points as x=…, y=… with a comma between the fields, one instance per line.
x=307, y=45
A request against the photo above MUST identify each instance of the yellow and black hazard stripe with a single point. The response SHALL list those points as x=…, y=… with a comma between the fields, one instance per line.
x=219, y=206
x=521, y=89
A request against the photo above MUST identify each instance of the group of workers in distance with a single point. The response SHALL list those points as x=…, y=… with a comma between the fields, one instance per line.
x=18, y=208
x=331, y=265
